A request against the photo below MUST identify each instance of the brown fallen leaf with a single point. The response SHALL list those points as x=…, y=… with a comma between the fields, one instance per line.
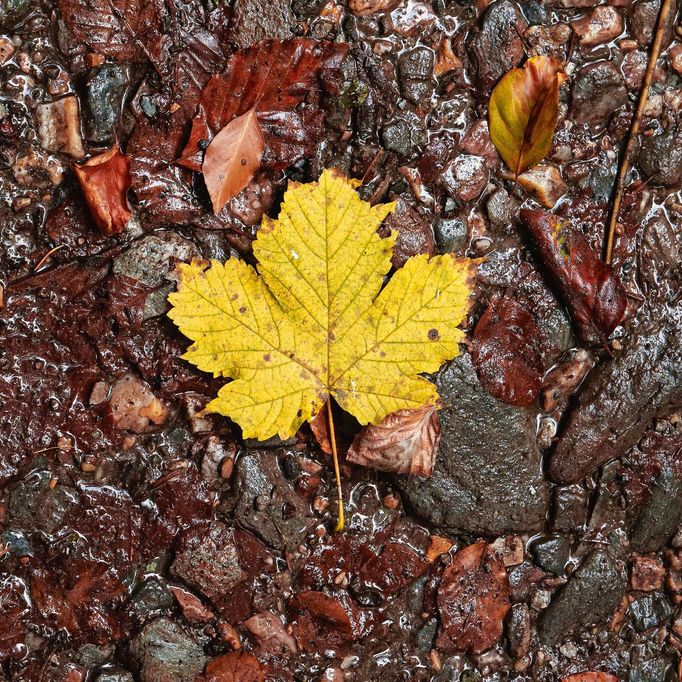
x=405, y=442
x=274, y=77
x=319, y=425
x=473, y=600
x=232, y=158
x=591, y=289
x=192, y=608
x=237, y=666
x=506, y=350
x=105, y=181
x=523, y=112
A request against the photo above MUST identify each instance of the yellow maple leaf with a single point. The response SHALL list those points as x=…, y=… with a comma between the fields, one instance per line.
x=314, y=321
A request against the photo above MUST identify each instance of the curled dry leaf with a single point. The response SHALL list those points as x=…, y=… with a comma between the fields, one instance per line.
x=591, y=289
x=105, y=181
x=523, y=112
x=506, y=351
x=473, y=600
x=319, y=425
x=405, y=442
x=274, y=77
x=232, y=158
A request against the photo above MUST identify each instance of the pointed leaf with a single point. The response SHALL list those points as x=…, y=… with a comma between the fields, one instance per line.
x=232, y=158
x=105, y=181
x=316, y=322
x=406, y=442
x=523, y=112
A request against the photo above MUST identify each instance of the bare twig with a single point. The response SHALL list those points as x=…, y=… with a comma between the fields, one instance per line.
x=634, y=128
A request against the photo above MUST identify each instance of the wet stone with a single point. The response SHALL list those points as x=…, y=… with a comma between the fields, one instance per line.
x=601, y=25
x=451, y=235
x=13, y=11
x=115, y=676
x=426, y=635
x=570, y=508
x=151, y=599
x=598, y=90
x=590, y=597
x=660, y=157
x=649, y=611
x=163, y=651
x=396, y=138
x=488, y=475
x=415, y=68
x=534, y=12
x=256, y=20
x=103, y=98
x=551, y=554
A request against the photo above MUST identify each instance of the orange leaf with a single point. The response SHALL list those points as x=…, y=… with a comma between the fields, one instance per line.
x=523, y=112
x=232, y=158
x=405, y=442
x=105, y=180
x=591, y=677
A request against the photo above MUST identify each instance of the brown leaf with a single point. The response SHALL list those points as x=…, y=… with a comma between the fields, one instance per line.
x=319, y=425
x=237, y=666
x=591, y=289
x=116, y=28
x=192, y=608
x=274, y=77
x=506, y=352
x=523, y=112
x=406, y=442
x=232, y=158
x=337, y=612
x=105, y=181
x=591, y=677
x=473, y=600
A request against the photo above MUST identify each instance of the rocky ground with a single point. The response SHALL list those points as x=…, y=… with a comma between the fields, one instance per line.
x=142, y=540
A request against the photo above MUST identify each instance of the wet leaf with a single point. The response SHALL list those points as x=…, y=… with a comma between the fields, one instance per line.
x=473, y=600
x=232, y=158
x=523, y=112
x=506, y=352
x=319, y=425
x=105, y=181
x=274, y=77
x=591, y=289
x=316, y=319
x=406, y=442
x=116, y=28
x=591, y=677
x=237, y=666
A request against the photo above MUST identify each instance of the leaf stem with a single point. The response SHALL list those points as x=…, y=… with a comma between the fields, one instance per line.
x=634, y=128
x=337, y=471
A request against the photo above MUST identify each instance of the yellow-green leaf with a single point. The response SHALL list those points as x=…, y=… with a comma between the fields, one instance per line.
x=314, y=321
x=523, y=112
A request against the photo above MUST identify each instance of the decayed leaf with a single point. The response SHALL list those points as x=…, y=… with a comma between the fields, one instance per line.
x=317, y=322
x=591, y=289
x=319, y=425
x=523, y=112
x=232, y=158
x=237, y=666
x=473, y=600
x=506, y=351
x=115, y=28
x=274, y=77
x=105, y=180
x=406, y=442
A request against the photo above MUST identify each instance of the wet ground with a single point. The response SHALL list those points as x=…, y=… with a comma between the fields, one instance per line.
x=142, y=540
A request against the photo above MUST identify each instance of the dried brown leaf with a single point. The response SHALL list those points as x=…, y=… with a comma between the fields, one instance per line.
x=473, y=600
x=405, y=442
x=237, y=666
x=105, y=181
x=232, y=158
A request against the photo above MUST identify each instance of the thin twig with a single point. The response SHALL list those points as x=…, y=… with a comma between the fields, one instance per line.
x=634, y=128
x=339, y=492
x=47, y=257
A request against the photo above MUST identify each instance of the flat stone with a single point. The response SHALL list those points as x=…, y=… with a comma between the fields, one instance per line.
x=103, y=97
x=163, y=651
x=601, y=25
x=598, y=90
x=551, y=554
x=660, y=157
x=589, y=598
x=649, y=611
x=256, y=20
x=488, y=474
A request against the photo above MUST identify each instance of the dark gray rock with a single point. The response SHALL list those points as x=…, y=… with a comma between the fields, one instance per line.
x=396, y=137
x=16, y=543
x=534, y=12
x=151, y=599
x=34, y=504
x=488, y=475
x=151, y=260
x=256, y=20
x=93, y=656
x=650, y=610
x=519, y=630
x=570, y=508
x=426, y=635
x=265, y=503
x=502, y=210
x=115, y=676
x=589, y=598
x=450, y=234
x=661, y=515
x=415, y=71
x=660, y=157
x=551, y=554
x=104, y=92
x=498, y=46
x=598, y=90
x=13, y=12
x=163, y=651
